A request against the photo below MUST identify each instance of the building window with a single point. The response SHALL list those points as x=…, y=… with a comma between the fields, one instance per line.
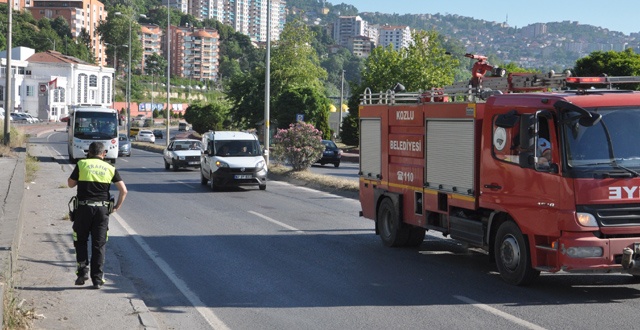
x=82, y=88
x=93, y=80
x=30, y=90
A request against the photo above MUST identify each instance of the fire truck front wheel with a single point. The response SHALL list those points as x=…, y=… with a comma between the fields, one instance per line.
x=513, y=256
x=392, y=231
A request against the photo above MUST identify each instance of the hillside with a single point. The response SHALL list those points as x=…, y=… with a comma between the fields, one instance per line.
x=552, y=45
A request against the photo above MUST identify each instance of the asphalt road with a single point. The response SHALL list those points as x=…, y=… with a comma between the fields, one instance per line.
x=294, y=258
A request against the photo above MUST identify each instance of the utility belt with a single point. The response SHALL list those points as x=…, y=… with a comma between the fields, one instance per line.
x=93, y=203
x=74, y=203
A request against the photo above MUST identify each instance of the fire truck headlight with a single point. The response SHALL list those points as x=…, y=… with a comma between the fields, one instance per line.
x=586, y=220
x=584, y=252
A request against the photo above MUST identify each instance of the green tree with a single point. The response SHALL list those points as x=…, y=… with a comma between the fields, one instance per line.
x=611, y=63
x=115, y=32
x=294, y=62
x=206, y=117
x=423, y=65
x=308, y=101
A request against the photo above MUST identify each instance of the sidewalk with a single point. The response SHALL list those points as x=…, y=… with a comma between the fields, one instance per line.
x=44, y=273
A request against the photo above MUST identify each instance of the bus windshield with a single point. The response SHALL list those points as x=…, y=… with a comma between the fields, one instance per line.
x=95, y=125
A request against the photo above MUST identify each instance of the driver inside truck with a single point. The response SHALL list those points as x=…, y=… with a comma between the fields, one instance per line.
x=543, y=152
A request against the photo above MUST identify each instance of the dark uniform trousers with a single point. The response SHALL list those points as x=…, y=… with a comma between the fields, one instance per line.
x=94, y=221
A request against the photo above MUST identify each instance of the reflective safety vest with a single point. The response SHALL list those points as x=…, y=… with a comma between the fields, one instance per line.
x=95, y=170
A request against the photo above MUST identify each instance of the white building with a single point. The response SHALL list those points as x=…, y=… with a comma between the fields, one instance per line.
x=346, y=27
x=46, y=85
x=398, y=36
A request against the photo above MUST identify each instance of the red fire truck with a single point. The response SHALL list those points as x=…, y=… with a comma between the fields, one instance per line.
x=545, y=180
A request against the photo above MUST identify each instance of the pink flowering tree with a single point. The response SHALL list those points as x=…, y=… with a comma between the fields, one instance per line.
x=300, y=145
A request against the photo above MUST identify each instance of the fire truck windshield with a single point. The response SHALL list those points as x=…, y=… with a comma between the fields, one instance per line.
x=607, y=144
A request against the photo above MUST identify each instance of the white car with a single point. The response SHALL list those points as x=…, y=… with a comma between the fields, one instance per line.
x=182, y=153
x=146, y=136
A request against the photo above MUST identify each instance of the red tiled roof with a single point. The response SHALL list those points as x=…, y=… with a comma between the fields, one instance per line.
x=51, y=56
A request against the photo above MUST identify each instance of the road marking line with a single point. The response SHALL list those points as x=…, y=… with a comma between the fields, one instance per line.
x=500, y=313
x=277, y=222
x=208, y=314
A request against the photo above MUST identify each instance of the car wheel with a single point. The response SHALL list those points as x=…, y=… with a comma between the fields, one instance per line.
x=175, y=167
x=336, y=164
x=212, y=183
x=203, y=179
x=166, y=165
x=263, y=187
x=512, y=254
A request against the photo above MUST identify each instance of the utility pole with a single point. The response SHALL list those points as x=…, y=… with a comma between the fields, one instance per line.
x=9, y=75
x=168, y=69
x=267, y=86
x=340, y=107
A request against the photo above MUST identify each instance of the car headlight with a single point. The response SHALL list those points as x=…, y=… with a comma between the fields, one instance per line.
x=221, y=164
x=180, y=157
x=260, y=165
x=586, y=219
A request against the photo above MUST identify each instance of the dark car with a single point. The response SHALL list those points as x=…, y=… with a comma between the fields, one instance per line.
x=158, y=133
x=124, y=145
x=331, y=154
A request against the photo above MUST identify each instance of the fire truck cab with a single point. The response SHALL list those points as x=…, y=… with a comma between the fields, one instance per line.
x=543, y=181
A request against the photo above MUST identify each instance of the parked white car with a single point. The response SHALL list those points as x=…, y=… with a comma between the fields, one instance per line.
x=146, y=136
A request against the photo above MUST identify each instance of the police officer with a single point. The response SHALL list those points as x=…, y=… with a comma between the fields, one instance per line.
x=93, y=177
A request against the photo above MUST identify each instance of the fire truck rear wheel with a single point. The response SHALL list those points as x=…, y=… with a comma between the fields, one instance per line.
x=392, y=231
x=512, y=255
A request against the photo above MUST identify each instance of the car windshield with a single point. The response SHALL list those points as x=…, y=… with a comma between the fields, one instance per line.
x=594, y=146
x=187, y=145
x=237, y=148
x=123, y=138
x=329, y=144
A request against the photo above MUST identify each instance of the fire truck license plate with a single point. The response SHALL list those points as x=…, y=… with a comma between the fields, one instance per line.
x=242, y=176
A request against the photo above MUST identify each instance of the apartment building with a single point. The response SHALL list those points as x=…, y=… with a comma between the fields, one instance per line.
x=245, y=16
x=360, y=46
x=151, y=40
x=346, y=27
x=194, y=53
x=80, y=14
x=397, y=35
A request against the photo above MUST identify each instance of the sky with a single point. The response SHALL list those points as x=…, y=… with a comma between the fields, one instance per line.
x=615, y=15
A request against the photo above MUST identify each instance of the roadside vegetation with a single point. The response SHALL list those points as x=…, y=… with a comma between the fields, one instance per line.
x=13, y=316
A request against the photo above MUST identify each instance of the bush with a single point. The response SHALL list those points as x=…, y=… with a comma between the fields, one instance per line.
x=300, y=145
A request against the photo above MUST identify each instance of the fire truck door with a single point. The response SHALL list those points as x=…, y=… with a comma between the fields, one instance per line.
x=516, y=185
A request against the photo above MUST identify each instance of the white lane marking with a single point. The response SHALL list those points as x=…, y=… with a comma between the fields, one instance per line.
x=499, y=313
x=276, y=222
x=208, y=314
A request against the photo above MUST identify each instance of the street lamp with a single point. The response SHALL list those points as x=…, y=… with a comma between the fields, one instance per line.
x=341, y=100
x=168, y=69
x=153, y=73
x=129, y=74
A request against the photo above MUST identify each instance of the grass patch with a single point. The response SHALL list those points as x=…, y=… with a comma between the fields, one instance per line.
x=16, y=139
x=32, y=166
x=313, y=180
x=14, y=317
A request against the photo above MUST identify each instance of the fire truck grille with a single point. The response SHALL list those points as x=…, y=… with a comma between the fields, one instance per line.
x=614, y=215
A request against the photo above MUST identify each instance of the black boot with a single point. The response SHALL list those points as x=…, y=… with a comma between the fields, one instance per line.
x=83, y=273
